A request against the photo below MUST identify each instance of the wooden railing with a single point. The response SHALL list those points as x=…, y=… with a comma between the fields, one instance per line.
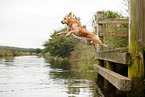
x=106, y=60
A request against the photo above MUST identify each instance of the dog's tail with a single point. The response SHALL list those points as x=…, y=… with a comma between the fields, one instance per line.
x=98, y=41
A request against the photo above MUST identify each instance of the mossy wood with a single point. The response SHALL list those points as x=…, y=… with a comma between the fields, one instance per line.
x=119, y=55
x=120, y=82
x=136, y=69
x=108, y=34
x=136, y=38
x=112, y=21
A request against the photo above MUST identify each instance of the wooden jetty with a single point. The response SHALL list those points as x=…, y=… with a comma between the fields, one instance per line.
x=132, y=57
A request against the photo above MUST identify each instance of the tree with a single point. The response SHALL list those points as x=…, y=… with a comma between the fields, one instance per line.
x=38, y=50
x=60, y=46
x=126, y=3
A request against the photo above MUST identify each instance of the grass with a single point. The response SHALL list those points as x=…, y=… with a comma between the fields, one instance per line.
x=84, y=56
x=11, y=53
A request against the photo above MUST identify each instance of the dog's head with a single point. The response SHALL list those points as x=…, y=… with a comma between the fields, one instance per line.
x=66, y=18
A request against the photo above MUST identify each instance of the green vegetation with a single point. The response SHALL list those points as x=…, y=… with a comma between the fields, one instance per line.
x=32, y=50
x=6, y=51
x=38, y=50
x=115, y=41
x=84, y=56
x=126, y=3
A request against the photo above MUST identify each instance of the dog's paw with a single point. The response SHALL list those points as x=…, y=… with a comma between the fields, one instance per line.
x=67, y=34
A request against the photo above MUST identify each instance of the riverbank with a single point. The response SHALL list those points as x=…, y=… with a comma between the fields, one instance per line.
x=8, y=53
x=83, y=57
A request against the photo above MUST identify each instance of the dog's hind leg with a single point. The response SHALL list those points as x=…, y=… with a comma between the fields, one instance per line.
x=97, y=40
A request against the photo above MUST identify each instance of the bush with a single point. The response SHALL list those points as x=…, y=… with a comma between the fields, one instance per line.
x=84, y=55
x=61, y=45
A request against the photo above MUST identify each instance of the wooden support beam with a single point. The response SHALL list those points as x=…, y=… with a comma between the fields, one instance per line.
x=136, y=36
x=107, y=85
x=115, y=55
x=109, y=34
x=136, y=70
x=117, y=50
x=113, y=21
x=120, y=82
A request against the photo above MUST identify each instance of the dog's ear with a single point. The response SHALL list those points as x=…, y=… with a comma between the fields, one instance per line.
x=70, y=15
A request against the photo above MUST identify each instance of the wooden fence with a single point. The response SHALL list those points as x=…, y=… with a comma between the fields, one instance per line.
x=132, y=57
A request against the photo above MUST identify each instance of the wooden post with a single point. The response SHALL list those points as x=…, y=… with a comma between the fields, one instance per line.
x=136, y=44
x=100, y=79
x=99, y=48
x=110, y=66
x=109, y=87
x=99, y=62
x=99, y=28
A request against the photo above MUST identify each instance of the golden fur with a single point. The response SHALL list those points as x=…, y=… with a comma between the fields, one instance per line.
x=75, y=27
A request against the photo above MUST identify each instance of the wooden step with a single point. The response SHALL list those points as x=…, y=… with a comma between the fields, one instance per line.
x=120, y=82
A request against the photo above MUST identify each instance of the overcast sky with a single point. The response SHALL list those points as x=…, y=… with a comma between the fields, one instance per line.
x=29, y=23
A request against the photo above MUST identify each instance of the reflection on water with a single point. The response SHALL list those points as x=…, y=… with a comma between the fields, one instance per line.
x=32, y=76
x=7, y=61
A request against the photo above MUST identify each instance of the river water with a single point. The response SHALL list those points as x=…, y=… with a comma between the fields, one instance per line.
x=32, y=76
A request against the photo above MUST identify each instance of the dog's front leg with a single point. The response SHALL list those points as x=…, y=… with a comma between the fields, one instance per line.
x=63, y=32
x=73, y=31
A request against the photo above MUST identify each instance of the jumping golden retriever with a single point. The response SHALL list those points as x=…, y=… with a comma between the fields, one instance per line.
x=78, y=31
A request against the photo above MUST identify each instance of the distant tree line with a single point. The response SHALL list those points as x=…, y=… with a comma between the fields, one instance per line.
x=32, y=50
x=16, y=51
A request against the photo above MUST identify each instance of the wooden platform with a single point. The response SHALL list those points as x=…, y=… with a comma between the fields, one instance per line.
x=119, y=55
x=120, y=82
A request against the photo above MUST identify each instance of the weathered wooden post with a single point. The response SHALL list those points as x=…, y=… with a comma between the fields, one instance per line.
x=136, y=45
x=109, y=87
x=99, y=28
x=100, y=79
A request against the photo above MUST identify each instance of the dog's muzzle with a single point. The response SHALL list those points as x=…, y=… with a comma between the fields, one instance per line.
x=62, y=22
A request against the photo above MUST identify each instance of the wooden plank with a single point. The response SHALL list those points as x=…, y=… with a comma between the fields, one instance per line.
x=115, y=55
x=120, y=82
x=113, y=21
x=108, y=34
x=122, y=58
x=120, y=50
